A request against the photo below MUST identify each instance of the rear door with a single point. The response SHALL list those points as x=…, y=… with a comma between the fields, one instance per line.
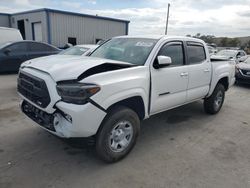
x=17, y=54
x=37, y=49
x=199, y=70
x=169, y=84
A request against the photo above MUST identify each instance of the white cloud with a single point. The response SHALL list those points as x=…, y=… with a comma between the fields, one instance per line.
x=93, y=2
x=71, y=5
x=218, y=17
x=223, y=21
x=23, y=2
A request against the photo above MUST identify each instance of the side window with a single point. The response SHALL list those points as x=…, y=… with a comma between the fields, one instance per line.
x=18, y=47
x=196, y=54
x=39, y=47
x=175, y=51
x=242, y=53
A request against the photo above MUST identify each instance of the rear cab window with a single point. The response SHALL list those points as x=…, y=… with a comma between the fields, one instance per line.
x=196, y=53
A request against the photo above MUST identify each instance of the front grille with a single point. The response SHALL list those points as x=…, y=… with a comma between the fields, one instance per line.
x=42, y=118
x=245, y=72
x=34, y=89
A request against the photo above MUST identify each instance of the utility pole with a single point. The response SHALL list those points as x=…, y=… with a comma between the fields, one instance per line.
x=166, y=30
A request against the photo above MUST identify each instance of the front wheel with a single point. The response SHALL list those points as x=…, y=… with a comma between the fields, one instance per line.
x=117, y=135
x=213, y=104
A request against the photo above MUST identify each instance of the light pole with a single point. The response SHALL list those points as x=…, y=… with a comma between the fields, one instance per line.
x=166, y=30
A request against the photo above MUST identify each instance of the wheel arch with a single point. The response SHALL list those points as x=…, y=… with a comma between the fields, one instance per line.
x=135, y=103
x=224, y=80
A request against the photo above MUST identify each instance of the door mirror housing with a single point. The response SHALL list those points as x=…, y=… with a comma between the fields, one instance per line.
x=7, y=51
x=162, y=61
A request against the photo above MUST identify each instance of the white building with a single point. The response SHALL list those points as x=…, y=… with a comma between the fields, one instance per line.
x=60, y=27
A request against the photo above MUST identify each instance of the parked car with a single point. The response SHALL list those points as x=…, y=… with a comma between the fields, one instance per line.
x=125, y=80
x=242, y=71
x=9, y=35
x=12, y=54
x=231, y=54
x=69, y=54
x=79, y=50
x=211, y=50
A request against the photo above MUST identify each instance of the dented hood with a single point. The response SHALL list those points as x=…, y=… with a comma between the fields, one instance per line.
x=66, y=67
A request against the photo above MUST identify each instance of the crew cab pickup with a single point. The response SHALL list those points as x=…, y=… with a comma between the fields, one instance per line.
x=125, y=80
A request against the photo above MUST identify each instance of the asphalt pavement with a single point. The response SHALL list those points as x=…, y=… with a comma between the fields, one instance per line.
x=183, y=148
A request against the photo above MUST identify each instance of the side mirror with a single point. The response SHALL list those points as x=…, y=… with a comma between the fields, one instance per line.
x=164, y=60
x=7, y=51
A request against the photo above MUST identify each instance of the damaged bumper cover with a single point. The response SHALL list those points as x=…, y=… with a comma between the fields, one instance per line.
x=68, y=120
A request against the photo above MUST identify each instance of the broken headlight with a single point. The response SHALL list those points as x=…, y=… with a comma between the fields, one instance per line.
x=76, y=93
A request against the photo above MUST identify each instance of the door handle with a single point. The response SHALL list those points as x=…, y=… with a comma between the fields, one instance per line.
x=184, y=74
x=206, y=70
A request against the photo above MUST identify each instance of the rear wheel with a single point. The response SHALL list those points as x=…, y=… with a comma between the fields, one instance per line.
x=213, y=104
x=118, y=134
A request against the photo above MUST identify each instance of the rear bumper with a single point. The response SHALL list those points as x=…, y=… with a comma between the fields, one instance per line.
x=68, y=120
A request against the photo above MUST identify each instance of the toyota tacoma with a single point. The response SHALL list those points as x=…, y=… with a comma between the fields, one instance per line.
x=125, y=80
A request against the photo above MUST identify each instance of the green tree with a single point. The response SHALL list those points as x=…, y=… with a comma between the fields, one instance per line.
x=234, y=42
x=248, y=44
x=208, y=38
x=224, y=42
x=197, y=35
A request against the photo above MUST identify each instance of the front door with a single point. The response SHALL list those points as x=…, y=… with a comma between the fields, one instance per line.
x=17, y=54
x=169, y=84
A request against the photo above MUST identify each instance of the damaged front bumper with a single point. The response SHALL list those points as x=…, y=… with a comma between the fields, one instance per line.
x=68, y=120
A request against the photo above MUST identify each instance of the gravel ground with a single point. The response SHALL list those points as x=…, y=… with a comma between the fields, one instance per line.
x=183, y=147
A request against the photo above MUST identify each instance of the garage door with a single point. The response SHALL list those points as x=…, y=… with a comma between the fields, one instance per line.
x=37, y=31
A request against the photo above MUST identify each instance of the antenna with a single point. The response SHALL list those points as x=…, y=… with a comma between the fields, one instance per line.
x=166, y=30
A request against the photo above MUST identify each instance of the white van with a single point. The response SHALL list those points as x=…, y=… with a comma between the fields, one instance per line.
x=9, y=35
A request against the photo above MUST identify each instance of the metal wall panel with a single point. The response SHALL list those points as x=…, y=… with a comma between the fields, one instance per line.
x=85, y=29
x=30, y=18
x=4, y=20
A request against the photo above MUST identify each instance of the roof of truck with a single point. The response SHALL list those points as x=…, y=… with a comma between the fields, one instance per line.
x=158, y=37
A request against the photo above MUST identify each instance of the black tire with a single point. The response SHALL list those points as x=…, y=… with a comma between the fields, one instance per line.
x=114, y=117
x=210, y=104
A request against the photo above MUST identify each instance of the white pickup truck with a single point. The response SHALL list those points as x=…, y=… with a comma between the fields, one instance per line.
x=125, y=80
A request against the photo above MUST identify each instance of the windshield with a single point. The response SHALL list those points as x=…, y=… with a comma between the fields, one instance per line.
x=227, y=53
x=131, y=50
x=75, y=50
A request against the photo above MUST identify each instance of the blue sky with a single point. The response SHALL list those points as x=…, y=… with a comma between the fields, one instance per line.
x=217, y=17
